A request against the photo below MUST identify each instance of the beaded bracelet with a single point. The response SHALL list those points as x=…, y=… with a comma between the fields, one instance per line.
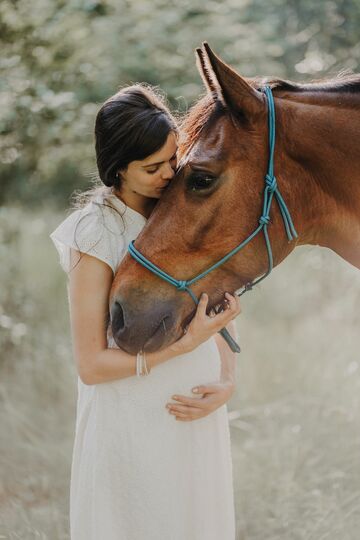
x=141, y=365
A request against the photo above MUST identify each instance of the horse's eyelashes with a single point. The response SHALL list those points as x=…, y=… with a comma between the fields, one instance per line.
x=198, y=182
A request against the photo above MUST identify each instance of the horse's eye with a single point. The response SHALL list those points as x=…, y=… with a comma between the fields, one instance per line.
x=198, y=182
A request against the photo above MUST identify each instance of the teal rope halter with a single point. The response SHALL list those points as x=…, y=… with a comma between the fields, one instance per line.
x=271, y=190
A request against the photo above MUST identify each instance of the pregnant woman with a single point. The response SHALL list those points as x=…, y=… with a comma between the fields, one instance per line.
x=151, y=458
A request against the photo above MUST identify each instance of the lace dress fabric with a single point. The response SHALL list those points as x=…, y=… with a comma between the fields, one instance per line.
x=137, y=473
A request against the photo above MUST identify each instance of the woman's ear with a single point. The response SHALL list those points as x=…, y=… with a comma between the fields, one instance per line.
x=118, y=180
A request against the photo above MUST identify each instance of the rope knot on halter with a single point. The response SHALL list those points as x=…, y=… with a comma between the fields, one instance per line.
x=181, y=286
x=271, y=183
x=264, y=220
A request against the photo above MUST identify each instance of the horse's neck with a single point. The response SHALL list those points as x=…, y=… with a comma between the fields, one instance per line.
x=320, y=139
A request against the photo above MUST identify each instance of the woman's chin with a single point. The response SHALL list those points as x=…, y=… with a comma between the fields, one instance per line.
x=156, y=194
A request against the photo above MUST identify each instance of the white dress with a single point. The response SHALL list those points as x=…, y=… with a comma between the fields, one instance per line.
x=137, y=473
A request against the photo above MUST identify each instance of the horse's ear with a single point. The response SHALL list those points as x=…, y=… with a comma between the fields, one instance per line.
x=208, y=76
x=226, y=85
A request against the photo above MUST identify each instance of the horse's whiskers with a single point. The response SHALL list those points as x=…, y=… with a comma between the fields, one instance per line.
x=164, y=325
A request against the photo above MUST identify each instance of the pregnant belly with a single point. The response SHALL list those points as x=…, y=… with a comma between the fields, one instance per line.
x=126, y=411
x=176, y=376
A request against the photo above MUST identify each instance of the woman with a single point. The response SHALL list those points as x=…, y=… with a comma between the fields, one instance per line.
x=137, y=473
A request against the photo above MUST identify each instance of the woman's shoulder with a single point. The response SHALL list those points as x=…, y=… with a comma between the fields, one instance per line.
x=103, y=227
x=104, y=205
x=97, y=229
x=90, y=217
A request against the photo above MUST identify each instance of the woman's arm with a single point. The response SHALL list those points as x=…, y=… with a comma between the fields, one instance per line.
x=227, y=357
x=89, y=287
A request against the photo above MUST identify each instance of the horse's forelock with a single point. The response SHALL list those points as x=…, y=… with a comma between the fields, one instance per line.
x=202, y=114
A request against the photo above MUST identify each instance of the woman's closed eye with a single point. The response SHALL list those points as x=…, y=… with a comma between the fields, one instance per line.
x=172, y=161
x=152, y=171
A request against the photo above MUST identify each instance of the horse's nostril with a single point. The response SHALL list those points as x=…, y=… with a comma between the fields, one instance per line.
x=117, y=317
x=136, y=326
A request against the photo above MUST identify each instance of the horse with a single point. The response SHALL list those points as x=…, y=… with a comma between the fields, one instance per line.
x=215, y=199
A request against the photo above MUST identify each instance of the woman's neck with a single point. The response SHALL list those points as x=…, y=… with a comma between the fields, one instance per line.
x=139, y=203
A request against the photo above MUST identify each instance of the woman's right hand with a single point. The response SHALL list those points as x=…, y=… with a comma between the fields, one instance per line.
x=203, y=326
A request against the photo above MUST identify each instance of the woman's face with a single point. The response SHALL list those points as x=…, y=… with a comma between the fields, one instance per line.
x=150, y=176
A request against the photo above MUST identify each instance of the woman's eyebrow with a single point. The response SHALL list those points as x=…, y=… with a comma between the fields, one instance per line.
x=159, y=162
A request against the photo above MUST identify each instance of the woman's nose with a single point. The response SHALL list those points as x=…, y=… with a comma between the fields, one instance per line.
x=168, y=172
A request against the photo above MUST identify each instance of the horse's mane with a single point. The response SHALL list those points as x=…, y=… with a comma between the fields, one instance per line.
x=208, y=109
x=342, y=82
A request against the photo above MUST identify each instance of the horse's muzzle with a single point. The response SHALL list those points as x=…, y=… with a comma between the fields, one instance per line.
x=143, y=329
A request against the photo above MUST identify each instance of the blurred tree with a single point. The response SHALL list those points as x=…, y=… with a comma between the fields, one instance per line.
x=60, y=60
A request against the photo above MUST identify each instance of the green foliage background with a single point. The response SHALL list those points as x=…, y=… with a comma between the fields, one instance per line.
x=296, y=413
x=61, y=59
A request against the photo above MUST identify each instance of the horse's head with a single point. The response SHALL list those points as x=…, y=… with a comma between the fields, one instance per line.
x=210, y=207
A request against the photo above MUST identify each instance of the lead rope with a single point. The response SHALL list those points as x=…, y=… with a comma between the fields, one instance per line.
x=271, y=189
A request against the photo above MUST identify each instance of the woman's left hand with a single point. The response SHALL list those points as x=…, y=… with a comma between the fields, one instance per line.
x=214, y=396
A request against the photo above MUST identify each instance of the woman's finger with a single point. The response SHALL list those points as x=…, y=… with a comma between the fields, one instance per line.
x=202, y=306
x=225, y=316
x=193, y=402
x=233, y=302
x=185, y=415
x=206, y=389
x=184, y=409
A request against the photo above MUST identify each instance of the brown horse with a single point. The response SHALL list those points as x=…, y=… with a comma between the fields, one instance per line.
x=215, y=200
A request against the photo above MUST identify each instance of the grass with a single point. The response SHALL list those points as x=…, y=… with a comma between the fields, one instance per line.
x=294, y=418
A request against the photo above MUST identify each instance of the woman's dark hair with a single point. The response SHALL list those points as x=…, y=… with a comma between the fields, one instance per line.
x=131, y=125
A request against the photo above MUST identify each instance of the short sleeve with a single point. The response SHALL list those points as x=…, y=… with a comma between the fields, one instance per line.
x=93, y=230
